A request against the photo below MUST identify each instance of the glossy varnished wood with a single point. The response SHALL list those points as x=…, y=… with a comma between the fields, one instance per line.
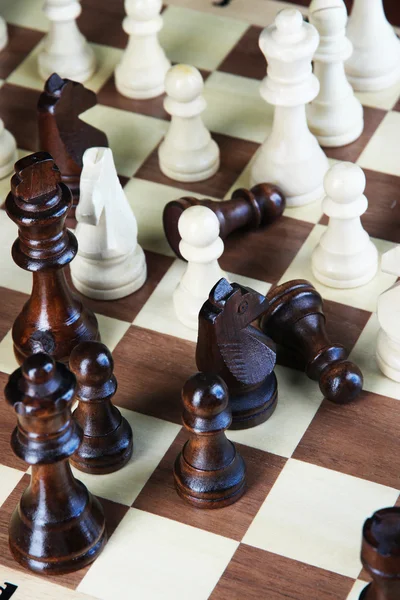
x=58, y=525
x=250, y=209
x=53, y=320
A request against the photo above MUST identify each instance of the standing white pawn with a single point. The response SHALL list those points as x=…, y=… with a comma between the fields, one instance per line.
x=3, y=34
x=65, y=50
x=201, y=246
x=291, y=156
x=336, y=116
x=345, y=256
x=188, y=153
x=8, y=151
x=388, y=344
x=375, y=62
x=141, y=72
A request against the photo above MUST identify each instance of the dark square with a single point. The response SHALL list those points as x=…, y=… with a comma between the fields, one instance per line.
x=246, y=58
x=18, y=110
x=21, y=42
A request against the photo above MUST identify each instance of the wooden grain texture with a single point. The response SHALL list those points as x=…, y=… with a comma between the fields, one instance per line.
x=21, y=42
x=246, y=58
x=18, y=111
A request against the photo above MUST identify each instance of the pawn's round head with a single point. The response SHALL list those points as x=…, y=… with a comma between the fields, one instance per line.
x=143, y=10
x=344, y=182
x=205, y=395
x=38, y=368
x=183, y=83
x=198, y=226
x=341, y=382
x=91, y=363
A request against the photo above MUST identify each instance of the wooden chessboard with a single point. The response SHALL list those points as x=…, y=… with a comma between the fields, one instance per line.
x=316, y=471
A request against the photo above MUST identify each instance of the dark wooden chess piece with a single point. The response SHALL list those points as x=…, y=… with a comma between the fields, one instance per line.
x=53, y=320
x=107, y=436
x=58, y=525
x=242, y=355
x=380, y=554
x=251, y=209
x=209, y=473
x=295, y=319
x=62, y=133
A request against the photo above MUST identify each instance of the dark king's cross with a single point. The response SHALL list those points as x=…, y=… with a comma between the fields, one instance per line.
x=7, y=591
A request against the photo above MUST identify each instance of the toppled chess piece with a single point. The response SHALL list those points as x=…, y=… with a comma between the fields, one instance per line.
x=250, y=209
x=244, y=357
x=107, y=436
x=295, y=319
x=380, y=554
x=58, y=525
x=53, y=320
x=209, y=473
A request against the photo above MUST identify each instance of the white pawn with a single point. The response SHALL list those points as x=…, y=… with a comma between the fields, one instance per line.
x=201, y=246
x=388, y=344
x=65, y=50
x=188, y=153
x=375, y=62
x=345, y=256
x=291, y=156
x=110, y=264
x=8, y=151
x=3, y=34
x=141, y=72
x=336, y=116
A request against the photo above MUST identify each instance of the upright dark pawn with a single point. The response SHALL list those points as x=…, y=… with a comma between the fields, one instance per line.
x=251, y=209
x=295, y=319
x=242, y=355
x=209, y=473
x=380, y=555
x=58, y=525
x=53, y=320
x=107, y=436
x=62, y=133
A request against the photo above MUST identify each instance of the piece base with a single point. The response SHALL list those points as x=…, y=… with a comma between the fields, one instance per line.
x=255, y=407
x=336, y=141
x=190, y=177
x=344, y=283
x=111, y=294
x=211, y=504
x=140, y=93
x=386, y=369
x=374, y=84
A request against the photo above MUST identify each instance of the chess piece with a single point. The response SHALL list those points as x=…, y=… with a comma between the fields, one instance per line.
x=188, y=153
x=375, y=62
x=230, y=346
x=295, y=319
x=335, y=116
x=201, y=246
x=58, y=526
x=65, y=50
x=290, y=157
x=53, y=320
x=209, y=473
x=345, y=257
x=8, y=151
x=251, y=209
x=110, y=264
x=62, y=133
x=3, y=36
x=388, y=344
x=380, y=554
x=107, y=436
x=141, y=72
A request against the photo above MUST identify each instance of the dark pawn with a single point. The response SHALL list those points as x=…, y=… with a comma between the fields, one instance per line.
x=58, y=526
x=253, y=209
x=242, y=355
x=295, y=319
x=380, y=555
x=208, y=473
x=61, y=131
x=53, y=320
x=107, y=436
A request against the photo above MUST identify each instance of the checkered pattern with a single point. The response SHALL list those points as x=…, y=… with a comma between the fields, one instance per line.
x=315, y=470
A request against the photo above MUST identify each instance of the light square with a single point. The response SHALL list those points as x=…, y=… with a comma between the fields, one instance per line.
x=9, y=479
x=151, y=439
x=356, y=590
x=381, y=152
x=384, y=99
x=198, y=39
x=8, y=362
x=164, y=555
x=364, y=297
x=111, y=330
x=25, y=14
x=315, y=515
x=11, y=276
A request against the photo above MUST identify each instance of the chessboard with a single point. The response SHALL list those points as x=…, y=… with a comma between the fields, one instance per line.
x=315, y=470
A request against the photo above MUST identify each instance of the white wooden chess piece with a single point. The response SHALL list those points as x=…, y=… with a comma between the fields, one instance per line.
x=188, y=153
x=141, y=72
x=3, y=34
x=201, y=246
x=110, y=264
x=336, y=116
x=8, y=151
x=375, y=62
x=65, y=50
x=388, y=344
x=290, y=157
x=345, y=256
